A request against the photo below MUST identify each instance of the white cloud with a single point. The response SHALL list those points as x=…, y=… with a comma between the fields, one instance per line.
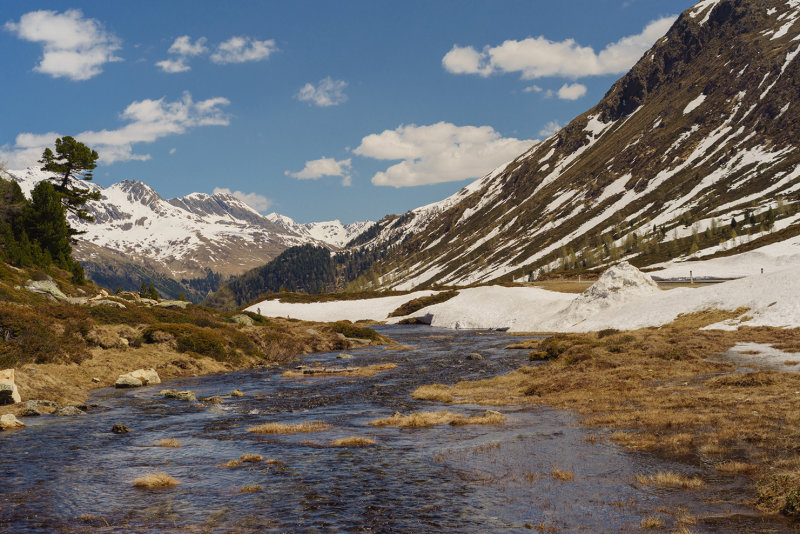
x=73, y=47
x=538, y=57
x=258, y=202
x=183, y=46
x=440, y=152
x=147, y=121
x=549, y=129
x=319, y=168
x=242, y=49
x=172, y=150
x=533, y=89
x=571, y=91
x=328, y=92
x=172, y=66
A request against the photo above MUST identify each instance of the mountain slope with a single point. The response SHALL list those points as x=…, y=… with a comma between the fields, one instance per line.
x=701, y=131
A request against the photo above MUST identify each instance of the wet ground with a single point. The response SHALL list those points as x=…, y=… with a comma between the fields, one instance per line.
x=538, y=471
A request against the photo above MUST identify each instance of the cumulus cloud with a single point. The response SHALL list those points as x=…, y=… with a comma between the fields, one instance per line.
x=183, y=46
x=172, y=66
x=328, y=92
x=571, y=91
x=441, y=152
x=147, y=121
x=549, y=129
x=538, y=57
x=242, y=49
x=74, y=47
x=322, y=167
x=258, y=202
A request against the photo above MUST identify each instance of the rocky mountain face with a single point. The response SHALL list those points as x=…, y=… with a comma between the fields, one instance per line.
x=333, y=233
x=694, y=151
x=181, y=245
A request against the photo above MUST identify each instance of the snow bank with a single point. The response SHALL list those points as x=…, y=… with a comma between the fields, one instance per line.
x=771, y=258
x=351, y=310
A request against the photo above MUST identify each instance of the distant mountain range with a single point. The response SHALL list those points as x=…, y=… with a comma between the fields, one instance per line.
x=182, y=245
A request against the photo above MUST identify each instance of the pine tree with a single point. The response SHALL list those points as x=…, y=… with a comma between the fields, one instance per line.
x=72, y=162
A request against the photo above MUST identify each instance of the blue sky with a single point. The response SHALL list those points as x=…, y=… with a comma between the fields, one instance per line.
x=317, y=110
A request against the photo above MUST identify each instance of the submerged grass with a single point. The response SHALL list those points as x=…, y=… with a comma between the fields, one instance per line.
x=670, y=479
x=167, y=443
x=665, y=391
x=359, y=372
x=423, y=419
x=155, y=480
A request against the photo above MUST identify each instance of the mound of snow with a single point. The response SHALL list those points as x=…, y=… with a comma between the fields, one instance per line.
x=620, y=284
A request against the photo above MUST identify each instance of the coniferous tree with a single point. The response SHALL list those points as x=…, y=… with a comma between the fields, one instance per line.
x=72, y=162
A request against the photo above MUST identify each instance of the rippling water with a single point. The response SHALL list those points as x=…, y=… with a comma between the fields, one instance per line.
x=71, y=474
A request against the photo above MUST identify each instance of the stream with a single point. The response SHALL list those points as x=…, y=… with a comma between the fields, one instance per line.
x=72, y=474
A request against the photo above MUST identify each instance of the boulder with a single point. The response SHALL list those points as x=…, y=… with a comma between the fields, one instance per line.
x=8, y=390
x=187, y=396
x=107, y=302
x=173, y=304
x=138, y=378
x=242, y=319
x=38, y=407
x=69, y=410
x=45, y=287
x=343, y=356
x=474, y=356
x=8, y=421
x=120, y=429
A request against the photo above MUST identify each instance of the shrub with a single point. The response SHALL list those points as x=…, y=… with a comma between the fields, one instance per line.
x=348, y=329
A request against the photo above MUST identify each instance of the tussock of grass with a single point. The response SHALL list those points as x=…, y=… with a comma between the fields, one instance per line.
x=155, y=480
x=236, y=393
x=562, y=474
x=230, y=464
x=433, y=392
x=360, y=372
x=289, y=428
x=734, y=467
x=251, y=458
x=422, y=419
x=651, y=521
x=354, y=441
x=670, y=479
x=167, y=443
x=250, y=489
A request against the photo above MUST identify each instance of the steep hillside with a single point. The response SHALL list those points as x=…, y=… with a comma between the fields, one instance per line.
x=693, y=151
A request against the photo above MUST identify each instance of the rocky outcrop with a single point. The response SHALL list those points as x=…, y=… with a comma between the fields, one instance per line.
x=8, y=422
x=8, y=390
x=138, y=378
x=46, y=287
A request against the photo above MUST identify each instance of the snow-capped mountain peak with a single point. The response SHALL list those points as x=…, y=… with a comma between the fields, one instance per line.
x=334, y=232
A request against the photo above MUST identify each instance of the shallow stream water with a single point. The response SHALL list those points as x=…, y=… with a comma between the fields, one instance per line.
x=72, y=474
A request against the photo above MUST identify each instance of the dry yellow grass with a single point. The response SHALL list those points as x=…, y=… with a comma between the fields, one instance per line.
x=155, y=480
x=167, y=443
x=250, y=489
x=734, y=467
x=664, y=390
x=230, y=464
x=290, y=428
x=562, y=475
x=354, y=441
x=360, y=372
x=670, y=479
x=651, y=521
x=236, y=393
x=251, y=458
x=422, y=419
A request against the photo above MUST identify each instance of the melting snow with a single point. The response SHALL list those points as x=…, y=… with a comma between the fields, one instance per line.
x=691, y=106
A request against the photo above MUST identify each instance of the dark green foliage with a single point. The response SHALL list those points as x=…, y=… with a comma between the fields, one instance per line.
x=147, y=291
x=423, y=302
x=36, y=233
x=220, y=343
x=73, y=161
x=791, y=507
x=348, y=329
x=306, y=268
